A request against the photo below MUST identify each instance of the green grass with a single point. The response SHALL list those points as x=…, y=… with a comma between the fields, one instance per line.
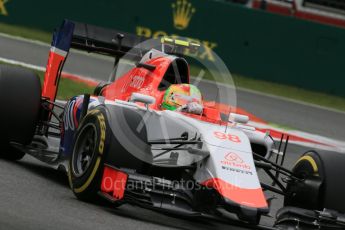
x=26, y=32
x=69, y=88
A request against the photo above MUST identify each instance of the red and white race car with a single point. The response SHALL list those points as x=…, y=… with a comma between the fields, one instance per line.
x=150, y=139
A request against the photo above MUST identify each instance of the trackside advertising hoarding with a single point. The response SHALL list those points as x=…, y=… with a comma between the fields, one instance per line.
x=251, y=42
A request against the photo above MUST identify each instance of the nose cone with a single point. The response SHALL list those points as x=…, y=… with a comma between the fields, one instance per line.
x=251, y=198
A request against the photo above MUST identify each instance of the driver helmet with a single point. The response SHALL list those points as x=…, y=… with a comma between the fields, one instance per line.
x=179, y=95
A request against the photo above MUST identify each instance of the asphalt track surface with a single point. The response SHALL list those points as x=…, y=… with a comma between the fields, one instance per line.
x=35, y=196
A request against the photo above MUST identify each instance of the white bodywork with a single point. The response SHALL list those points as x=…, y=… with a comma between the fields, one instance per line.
x=230, y=162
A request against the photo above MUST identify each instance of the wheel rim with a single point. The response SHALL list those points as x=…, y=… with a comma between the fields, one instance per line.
x=84, y=150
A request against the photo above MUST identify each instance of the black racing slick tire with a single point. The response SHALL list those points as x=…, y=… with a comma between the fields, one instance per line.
x=321, y=186
x=20, y=98
x=10, y=153
x=87, y=160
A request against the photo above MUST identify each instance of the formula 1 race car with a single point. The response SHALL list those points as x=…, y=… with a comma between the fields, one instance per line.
x=148, y=139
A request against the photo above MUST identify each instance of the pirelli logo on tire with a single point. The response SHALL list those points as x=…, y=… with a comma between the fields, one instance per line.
x=102, y=136
x=94, y=111
x=103, y=128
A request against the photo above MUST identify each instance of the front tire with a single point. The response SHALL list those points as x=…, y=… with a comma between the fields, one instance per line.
x=321, y=186
x=86, y=163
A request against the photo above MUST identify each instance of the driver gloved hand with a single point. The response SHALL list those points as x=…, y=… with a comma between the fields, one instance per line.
x=192, y=107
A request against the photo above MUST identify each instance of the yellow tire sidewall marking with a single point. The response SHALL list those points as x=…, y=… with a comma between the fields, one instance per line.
x=102, y=124
x=311, y=162
x=89, y=180
x=70, y=176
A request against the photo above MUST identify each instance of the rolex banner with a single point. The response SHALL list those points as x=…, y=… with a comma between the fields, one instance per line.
x=251, y=42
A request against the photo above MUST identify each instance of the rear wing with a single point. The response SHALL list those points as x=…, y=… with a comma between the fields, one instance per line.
x=117, y=43
x=84, y=37
x=99, y=40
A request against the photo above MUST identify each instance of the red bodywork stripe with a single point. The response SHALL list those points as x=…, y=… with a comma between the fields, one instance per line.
x=51, y=81
x=253, y=198
x=114, y=182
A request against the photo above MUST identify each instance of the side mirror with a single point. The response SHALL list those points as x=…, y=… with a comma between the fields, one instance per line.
x=146, y=66
x=238, y=118
x=146, y=99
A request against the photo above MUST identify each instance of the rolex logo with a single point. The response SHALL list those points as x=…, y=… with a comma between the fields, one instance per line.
x=3, y=10
x=182, y=12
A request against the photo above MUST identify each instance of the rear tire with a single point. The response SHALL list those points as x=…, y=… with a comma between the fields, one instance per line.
x=10, y=153
x=20, y=98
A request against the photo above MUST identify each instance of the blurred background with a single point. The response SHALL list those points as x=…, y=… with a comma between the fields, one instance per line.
x=291, y=48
